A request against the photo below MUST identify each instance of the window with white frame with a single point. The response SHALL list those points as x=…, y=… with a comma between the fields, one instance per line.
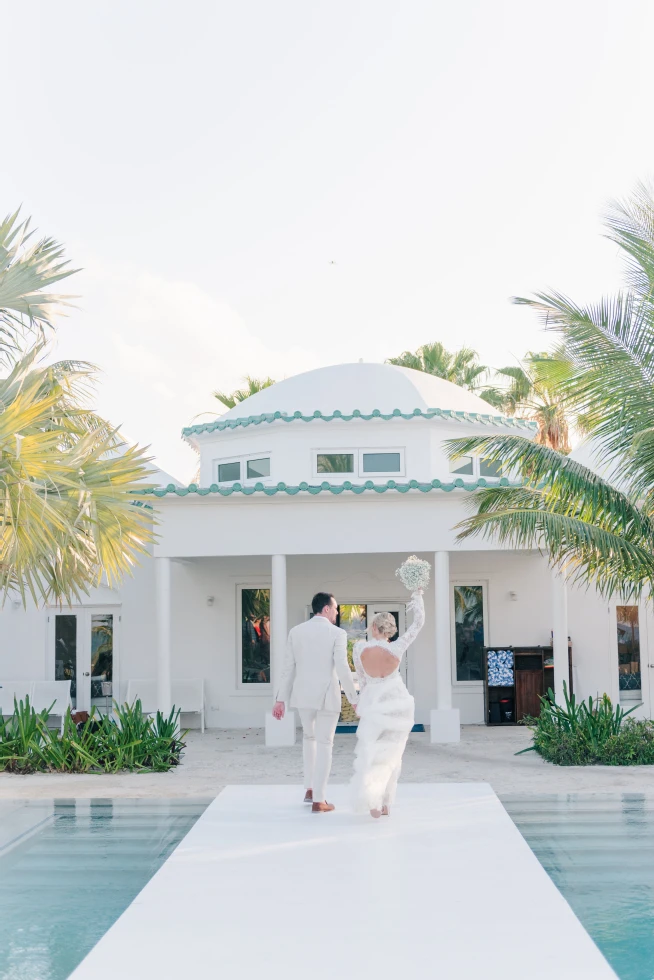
x=469, y=629
x=473, y=466
x=359, y=462
x=254, y=640
x=243, y=469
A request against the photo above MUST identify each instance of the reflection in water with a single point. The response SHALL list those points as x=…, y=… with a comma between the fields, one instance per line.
x=598, y=851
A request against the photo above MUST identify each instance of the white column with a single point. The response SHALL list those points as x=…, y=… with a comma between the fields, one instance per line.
x=560, y=634
x=445, y=723
x=278, y=732
x=163, y=593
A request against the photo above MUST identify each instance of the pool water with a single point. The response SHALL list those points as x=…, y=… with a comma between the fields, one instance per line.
x=68, y=869
x=599, y=851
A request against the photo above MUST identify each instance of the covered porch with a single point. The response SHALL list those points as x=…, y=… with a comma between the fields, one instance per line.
x=225, y=619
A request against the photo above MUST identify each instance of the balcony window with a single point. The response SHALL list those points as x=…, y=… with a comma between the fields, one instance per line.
x=381, y=463
x=488, y=468
x=335, y=463
x=464, y=466
x=258, y=468
x=229, y=472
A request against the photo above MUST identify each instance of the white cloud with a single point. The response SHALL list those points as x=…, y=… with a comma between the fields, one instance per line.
x=163, y=347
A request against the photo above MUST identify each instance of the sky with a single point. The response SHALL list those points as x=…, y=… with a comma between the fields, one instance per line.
x=267, y=187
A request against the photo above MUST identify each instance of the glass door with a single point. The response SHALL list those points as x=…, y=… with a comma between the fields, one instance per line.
x=83, y=648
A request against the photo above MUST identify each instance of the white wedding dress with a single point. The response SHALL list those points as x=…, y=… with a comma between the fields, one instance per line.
x=386, y=713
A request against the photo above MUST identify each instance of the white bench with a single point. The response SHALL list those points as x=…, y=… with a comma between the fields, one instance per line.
x=42, y=694
x=188, y=696
x=55, y=693
x=20, y=690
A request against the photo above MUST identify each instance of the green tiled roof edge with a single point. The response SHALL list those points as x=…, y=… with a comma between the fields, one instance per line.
x=429, y=413
x=315, y=488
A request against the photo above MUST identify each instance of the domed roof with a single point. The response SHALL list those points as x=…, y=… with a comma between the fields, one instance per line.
x=346, y=387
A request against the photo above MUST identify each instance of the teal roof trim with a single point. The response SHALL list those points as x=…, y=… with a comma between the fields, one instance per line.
x=345, y=487
x=428, y=413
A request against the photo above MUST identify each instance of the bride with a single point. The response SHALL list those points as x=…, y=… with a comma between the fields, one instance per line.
x=385, y=709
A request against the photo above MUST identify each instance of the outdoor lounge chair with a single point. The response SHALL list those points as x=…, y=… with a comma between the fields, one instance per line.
x=55, y=693
x=188, y=695
x=20, y=690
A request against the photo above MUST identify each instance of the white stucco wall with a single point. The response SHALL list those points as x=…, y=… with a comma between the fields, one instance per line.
x=204, y=637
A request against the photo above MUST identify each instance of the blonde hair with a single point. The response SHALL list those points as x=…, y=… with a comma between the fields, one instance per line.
x=386, y=625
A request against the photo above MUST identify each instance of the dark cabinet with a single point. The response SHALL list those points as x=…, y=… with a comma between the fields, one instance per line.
x=515, y=679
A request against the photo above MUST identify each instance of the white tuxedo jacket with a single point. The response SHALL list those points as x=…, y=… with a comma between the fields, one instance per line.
x=316, y=659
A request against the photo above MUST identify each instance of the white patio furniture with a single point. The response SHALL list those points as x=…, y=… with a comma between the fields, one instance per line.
x=55, y=693
x=20, y=690
x=188, y=695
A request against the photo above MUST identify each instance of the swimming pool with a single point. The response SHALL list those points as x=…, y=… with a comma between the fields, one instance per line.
x=69, y=868
x=599, y=851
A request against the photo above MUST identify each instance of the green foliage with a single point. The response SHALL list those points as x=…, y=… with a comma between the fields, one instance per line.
x=67, y=510
x=461, y=367
x=583, y=733
x=252, y=386
x=128, y=741
x=601, y=535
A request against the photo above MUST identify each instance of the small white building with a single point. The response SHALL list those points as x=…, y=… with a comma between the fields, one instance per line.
x=327, y=481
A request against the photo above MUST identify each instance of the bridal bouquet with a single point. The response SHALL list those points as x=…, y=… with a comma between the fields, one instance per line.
x=414, y=573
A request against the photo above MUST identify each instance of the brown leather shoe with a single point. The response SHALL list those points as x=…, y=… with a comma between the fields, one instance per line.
x=322, y=807
x=308, y=796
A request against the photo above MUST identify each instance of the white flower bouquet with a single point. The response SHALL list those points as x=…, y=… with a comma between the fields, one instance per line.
x=414, y=573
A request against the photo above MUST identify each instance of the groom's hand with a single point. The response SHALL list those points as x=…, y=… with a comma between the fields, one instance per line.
x=279, y=710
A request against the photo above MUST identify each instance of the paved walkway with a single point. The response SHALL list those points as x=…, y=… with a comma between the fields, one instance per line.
x=261, y=887
x=218, y=758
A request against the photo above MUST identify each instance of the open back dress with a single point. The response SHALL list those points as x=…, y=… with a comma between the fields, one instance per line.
x=386, y=716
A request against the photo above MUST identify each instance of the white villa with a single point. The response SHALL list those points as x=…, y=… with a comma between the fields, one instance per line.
x=327, y=481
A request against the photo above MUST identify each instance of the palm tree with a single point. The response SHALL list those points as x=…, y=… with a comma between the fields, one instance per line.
x=534, y=392
x=25, y=271
x=253, y=385
x=461, y=367
x=67, y=511
x=600, y=529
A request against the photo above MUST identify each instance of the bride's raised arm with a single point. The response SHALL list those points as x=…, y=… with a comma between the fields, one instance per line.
x=417, y=606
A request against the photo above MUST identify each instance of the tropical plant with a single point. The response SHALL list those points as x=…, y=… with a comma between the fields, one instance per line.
x=589, y=732
x=461, y=367
x=67, y=511
x=600, y=528
x=26, y=269
x=252, y=386
x=128, y=741
x=534, y=392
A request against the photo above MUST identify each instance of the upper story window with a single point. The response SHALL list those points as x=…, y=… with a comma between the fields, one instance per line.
x=242, y=470
x=471, y=466
x=360, y=462
x=335, y=463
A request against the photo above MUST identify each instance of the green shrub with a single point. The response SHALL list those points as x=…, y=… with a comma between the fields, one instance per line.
x=584, y=733
x=129, y=741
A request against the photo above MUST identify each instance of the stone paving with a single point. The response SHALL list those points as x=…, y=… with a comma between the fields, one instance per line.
x=220, y=757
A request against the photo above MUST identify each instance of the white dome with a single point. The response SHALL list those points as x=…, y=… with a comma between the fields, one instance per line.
x=346, y=387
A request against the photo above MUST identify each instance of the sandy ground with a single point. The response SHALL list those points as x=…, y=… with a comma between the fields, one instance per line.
x=220, y=757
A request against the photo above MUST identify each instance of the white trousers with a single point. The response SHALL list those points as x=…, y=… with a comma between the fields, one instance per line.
x=319, y=728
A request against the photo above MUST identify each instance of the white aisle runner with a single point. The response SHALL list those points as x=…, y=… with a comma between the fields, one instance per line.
x=445, y=888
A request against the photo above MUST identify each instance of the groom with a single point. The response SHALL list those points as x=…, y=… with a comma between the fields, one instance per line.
x=316, y=659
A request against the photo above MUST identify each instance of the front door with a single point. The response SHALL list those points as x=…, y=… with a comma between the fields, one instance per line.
x=354, y=618
x=82, y=649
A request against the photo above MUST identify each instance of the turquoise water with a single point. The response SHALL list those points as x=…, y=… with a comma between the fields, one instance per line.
x=599, y=851
x=68, y=869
